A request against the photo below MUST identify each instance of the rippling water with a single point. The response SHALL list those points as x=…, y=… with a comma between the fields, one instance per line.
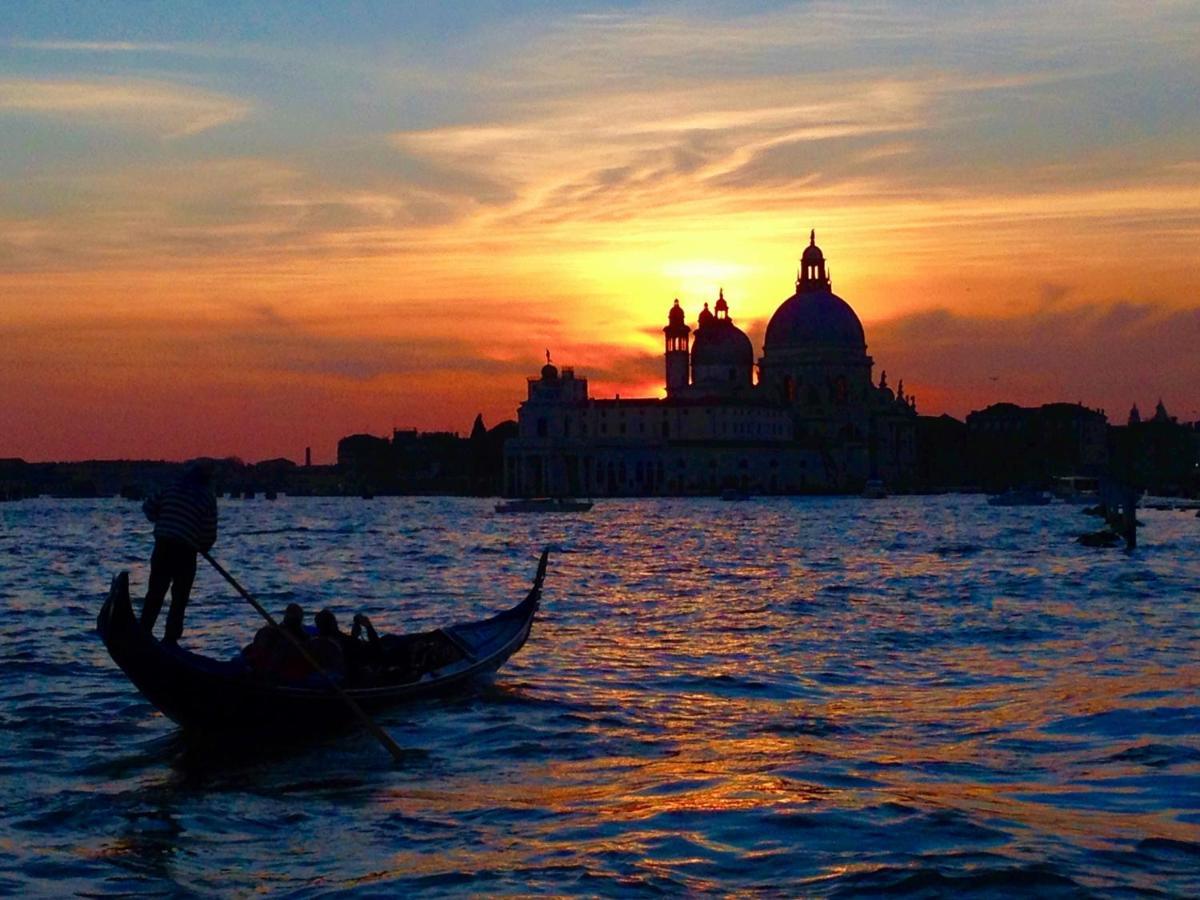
x=798, y=696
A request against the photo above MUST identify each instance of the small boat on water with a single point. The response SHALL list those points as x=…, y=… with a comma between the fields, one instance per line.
x=1077, y=489
x=874, y=489
x=1020, y=498
x=1169, y=503
x=208, y=694
x=734, y=495
x=543, y=505
x=1104, y=538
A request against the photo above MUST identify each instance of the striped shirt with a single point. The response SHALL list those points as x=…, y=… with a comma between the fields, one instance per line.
x=184, y=512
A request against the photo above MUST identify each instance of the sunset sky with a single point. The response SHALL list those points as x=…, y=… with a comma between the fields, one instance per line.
x=244, y=229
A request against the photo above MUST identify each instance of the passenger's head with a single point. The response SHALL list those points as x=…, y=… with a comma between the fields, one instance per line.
x=293, y=616
x=326, y=623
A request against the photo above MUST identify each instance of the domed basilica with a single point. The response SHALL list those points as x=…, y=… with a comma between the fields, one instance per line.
x=812, y=422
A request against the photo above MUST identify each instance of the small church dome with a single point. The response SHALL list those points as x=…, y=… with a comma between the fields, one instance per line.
x=722, y=345
x=549, y=370
x=675, y=316
x=718, y=341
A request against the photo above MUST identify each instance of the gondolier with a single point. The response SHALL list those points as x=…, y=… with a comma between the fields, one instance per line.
x=185, y=522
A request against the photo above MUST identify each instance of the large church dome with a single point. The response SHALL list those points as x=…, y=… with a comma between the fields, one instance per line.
x=814, y=318
x=814, y=315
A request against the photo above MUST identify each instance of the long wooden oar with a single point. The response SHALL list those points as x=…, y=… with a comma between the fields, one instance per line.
x=382, y=736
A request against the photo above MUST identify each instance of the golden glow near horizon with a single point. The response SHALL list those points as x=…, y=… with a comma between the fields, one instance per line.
x=253, y=238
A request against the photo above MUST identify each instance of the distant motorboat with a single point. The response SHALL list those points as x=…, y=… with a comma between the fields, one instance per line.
x=734, y=494
x=1021, y=497
x=874, y=489
x=1168, y=503
x=543, y=505
x=1077, y=489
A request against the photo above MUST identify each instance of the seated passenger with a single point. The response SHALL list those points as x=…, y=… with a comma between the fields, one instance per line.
x=358, y=655
x=328, y=646
x=293, y=621
x=292, y=665
x=362, y=625
x=272, y=653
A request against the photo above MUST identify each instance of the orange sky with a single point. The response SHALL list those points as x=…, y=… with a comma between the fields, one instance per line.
x=249, y=238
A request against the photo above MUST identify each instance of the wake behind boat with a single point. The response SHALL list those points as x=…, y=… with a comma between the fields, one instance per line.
x=543, y=505
x=203, y=693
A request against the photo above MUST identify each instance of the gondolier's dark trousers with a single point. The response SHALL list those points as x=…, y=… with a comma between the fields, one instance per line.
x=173, y=564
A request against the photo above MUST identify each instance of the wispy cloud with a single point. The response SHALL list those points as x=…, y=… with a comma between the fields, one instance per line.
x=171, y=110
x=98, y=46
x=226, y=210
x=642, y=153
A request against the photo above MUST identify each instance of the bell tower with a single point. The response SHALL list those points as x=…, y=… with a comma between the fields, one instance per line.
x=677, y=335
x=813, y=276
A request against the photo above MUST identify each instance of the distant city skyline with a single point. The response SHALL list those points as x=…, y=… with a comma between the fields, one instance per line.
x=252, y=228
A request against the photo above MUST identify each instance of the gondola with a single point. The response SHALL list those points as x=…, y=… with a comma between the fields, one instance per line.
x=206, y=694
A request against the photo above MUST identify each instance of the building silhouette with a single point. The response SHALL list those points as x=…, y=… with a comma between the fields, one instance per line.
x=1014, y=446
x=813, y=421
x=1159, y=454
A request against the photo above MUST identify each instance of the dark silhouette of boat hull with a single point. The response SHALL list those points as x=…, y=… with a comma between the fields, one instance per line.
x=543, y=505
x=205, y=694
